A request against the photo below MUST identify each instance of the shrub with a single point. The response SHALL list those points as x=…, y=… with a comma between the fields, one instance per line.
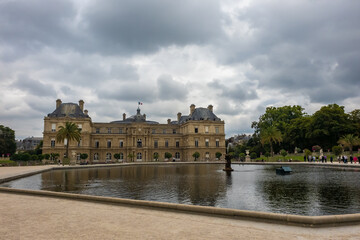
x=337, y=150
x=196, y=155
x=168, y=155
x=242, y=156
x=218, y=155
x=283, y=152
x=253, y=155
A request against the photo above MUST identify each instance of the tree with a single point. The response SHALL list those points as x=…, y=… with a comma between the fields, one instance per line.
x=196, y=155
x=242, y=156
x=117, y=156
x=131, y=156
x=70, y=132
x=349, y=141
x=156, y=156
x=253, y=155
x=337, y=150
x=7, y=141
x=270, y=135
x=328, y=125
x=218, y=155
x=307, y=152
x=168, y=155
x=283, y=153
x=83, y=156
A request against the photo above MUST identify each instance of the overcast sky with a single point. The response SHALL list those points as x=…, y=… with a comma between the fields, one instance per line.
x=239, y=56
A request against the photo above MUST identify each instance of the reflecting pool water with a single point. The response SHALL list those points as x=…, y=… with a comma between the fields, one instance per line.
x=308, y=191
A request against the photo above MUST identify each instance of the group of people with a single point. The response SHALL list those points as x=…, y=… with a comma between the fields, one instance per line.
x=323, y=158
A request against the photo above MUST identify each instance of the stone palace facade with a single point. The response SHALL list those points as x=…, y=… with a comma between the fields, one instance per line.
x=135, y=138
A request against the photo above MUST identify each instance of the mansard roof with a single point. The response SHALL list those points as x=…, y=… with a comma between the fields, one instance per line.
x=198, y=115
x=68, y=110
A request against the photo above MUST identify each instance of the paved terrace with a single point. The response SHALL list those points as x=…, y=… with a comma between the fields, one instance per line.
x=38, y=217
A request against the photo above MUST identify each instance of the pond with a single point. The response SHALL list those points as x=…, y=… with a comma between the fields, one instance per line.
x=311, y=191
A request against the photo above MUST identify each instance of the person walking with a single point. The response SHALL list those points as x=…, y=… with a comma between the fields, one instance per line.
x=355, y=159
x=331, y=159
x=351, y=159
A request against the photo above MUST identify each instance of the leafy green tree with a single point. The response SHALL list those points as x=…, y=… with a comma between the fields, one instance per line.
x=196, y=155
x=38, y=148
x=84, y=156
x=337, y=150
x=270, y=135
x=328, y=124
x=25, y=157
x=34, y=157
x=117, y=156
x=253, y=155
x=41, y=157
x=168, y=155
x=7, y=141
x=349, y=141
x=218, y=155
x=355, y=118
x=267, y=155
x=131, y=156
x=71, y=132
x=242, y=156
x=156, y=156
x=47, y=156
x=283, y=153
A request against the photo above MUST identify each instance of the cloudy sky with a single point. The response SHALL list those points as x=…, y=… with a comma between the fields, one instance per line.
x=239, y=56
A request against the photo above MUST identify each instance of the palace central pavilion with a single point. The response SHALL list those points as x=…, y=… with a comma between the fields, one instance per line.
x=135, y=138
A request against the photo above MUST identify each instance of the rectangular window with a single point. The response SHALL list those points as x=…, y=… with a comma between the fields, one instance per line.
x=164, y=131
x=120, y=130
x=121, y=143
x=121, y=156
x=52, y=143
x=206, y=142
x=217, y=143
x=79, y=143
x=97, y=144
x=196, y=130
x=153, y=131
x=166, y=143
x=177, y=143
x=108, y=143
x=156, y=144
x=196, y=143
x=80, y=126
x=174, y=131
x=217, y=130
x=53, y=127
x=97, y=130
x=109, y=130
x=206, y=129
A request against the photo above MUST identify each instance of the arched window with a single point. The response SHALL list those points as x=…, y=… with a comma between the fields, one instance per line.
x=96, y=156
x=108, y=156
x=138, y=156
x=177, y=155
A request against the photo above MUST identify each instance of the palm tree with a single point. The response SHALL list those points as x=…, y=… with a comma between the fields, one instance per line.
x=349, y=141
x=70, y=132
x=270, y=135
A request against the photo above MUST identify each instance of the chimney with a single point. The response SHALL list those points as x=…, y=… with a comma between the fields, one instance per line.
x=179, y=116
x=169, y=120
x=58, y=103
x=124, y=116
x=81, y=105
x=192, y=108
x=86, y=112
x=144, y=115
x=210, y=107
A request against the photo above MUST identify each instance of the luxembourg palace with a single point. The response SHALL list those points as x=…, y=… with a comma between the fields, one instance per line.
x=135, y=138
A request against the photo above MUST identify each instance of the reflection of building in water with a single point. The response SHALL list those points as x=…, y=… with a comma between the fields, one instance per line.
x=135, y=138
x=196, y=183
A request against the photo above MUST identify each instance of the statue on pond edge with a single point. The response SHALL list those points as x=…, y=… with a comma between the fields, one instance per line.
x=228, y=163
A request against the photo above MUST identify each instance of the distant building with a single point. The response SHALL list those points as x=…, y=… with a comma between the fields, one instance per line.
x=200, y=131
x=29, y=143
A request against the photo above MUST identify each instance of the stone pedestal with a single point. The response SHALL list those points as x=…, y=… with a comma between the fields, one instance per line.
x=247, y=158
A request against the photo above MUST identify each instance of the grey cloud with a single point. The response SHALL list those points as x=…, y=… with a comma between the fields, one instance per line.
x=145, y=26
x=34, y=87
x=294, y=46
x=169, y=89
x=130, y=92
x=28, y=25
x=239, y=92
